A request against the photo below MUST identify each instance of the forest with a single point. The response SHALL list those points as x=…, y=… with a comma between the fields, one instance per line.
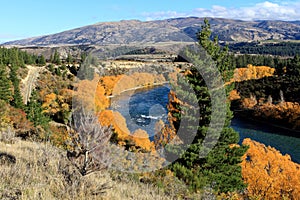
x=276, y=48
x=273, y=98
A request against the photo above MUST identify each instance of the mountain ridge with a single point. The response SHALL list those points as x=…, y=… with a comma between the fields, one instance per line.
x=182, y=29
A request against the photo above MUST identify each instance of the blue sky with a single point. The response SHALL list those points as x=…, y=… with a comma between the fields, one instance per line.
x=21, y=19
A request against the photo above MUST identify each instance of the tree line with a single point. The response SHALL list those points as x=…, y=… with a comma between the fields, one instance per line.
x=19, y=58
x=285, y=83
x=275, y=48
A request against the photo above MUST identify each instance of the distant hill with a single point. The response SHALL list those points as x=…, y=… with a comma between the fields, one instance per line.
x=166, y=31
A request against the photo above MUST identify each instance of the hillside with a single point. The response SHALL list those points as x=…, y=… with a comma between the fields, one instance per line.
x=31, y=170
x=166, y=31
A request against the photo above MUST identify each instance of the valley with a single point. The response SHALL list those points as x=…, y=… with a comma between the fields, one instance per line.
x=133, y=102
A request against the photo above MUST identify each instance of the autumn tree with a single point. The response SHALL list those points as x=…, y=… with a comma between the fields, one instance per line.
x=19, y=121
x=164, y=134
x=91, y=94
x=269, y=174
x=58, y=106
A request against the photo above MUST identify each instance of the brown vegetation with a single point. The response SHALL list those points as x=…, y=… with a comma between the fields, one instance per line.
x=41, y=171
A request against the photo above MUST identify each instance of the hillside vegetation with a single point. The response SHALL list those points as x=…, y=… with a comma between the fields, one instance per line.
x=31, y=170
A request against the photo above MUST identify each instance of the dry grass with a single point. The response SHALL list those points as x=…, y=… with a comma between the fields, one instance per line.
x=42, y=171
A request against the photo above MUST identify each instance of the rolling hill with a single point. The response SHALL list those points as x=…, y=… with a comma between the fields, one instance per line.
x=166, y=31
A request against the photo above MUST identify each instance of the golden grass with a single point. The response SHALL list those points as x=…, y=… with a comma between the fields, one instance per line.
x=42, y=171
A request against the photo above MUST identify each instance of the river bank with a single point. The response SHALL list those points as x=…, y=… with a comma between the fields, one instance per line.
x=139, y=87
x=272, y=136
x=246, y=115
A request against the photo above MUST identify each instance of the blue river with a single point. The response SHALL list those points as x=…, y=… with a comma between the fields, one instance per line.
x=143, y=108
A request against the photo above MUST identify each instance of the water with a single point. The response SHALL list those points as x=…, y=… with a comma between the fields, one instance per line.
x=143, y=108
x=270, y=136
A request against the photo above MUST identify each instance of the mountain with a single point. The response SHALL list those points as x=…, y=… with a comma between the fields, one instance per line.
x=166, y=31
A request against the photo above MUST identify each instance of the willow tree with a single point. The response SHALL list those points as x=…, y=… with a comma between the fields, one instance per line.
x=213, y=157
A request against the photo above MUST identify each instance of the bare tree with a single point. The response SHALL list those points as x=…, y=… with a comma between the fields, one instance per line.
x=89, y=142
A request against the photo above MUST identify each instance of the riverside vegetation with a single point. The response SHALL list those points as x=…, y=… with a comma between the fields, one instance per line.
x=47, y=150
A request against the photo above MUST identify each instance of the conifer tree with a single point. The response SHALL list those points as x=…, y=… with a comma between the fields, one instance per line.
x=35, y=112
x=17, y=100
x=87, y=68
x=5, y=85
x=70, y=59
x=41, y=60
x=56, y=58
x=293, y=68
x=220, y=168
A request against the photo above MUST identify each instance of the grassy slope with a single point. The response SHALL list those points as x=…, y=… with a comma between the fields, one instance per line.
x=43, y=172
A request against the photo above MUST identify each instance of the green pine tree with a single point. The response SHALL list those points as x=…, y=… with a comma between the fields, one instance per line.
x=41, y=60
x=293, y=69
x=5, y=85
x=219, y=168
x=17, y=100
x=70, y=59
x=56, y=58
x=35, y=112
x=87, y=68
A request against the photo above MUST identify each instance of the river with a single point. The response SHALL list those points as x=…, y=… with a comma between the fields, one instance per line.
x=143, y=108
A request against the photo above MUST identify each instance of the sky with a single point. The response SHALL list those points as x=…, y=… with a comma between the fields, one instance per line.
x=29, y=18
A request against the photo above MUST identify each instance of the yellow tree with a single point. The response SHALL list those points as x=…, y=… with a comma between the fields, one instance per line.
x=269, y=174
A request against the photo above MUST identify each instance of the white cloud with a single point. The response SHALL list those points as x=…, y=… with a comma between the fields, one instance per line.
x=261, y=11
x=162, y=15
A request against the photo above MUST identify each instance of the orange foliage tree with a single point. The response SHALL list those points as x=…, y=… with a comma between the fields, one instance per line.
x=91, y=95
x=269, y=174
x=58, y=105
x=114, y=85
x=252, y=72
x=138, y=140
x=164, y=134
x=108, y=82
x=141, y=140
x=117, y=121
x=19, y=120
x=59, y=136
x=285, y=111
